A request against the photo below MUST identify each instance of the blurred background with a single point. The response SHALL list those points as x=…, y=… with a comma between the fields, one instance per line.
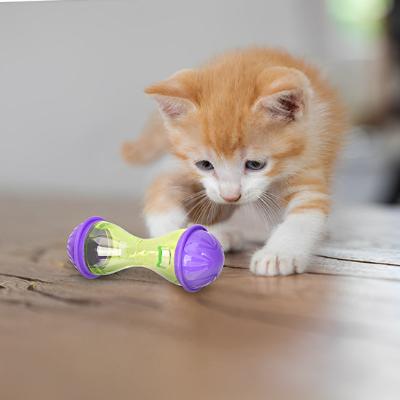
x=72, y=75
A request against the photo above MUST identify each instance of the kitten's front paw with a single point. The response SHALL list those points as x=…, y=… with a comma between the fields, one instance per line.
x=272, y=262
x=231, y=240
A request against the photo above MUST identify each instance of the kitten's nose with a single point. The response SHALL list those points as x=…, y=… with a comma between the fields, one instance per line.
x=232, y=198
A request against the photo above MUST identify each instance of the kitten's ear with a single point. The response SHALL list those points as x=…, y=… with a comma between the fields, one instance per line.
x=174, y=95
x=173, y=107
x=285, y=94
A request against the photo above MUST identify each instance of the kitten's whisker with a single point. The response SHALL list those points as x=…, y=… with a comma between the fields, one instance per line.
x=271, y=208
x=198, y=199
x=203, y=214
x=207, y=213
x=198, y=213
x=190, y=205
x=194, y=196
x=263, y=211
x=266, y=209
x=197, y=206
x=273, y=197
x=213, y=212
x=202, y=206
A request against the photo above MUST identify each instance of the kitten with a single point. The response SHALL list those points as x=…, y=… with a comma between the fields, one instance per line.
x=252, y=126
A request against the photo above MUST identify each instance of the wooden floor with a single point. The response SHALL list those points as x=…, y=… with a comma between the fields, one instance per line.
x=330, y=334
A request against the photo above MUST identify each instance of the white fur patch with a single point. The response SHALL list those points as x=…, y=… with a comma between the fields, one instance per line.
x=290, y=246
x=160, y=224
x=231, y=239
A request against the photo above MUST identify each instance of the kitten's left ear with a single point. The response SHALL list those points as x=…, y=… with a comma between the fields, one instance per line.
x=174, y=96
x=285, y=93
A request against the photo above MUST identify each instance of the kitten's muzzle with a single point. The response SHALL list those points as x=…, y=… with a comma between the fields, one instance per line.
x=232, y=198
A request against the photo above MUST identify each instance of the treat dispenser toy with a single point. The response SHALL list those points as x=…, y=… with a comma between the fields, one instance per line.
x=192, y=257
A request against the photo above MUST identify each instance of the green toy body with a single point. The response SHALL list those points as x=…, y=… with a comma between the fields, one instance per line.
x=110, y=249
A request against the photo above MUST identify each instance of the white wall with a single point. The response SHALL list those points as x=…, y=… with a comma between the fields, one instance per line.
x=72, y=76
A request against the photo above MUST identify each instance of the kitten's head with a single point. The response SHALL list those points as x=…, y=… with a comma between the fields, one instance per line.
x=239, y=126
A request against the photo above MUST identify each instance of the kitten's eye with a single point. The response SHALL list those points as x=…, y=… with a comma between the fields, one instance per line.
x=204, y=165
x=254, y=165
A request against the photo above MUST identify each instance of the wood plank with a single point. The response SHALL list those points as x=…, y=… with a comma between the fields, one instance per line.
x=133, y=334
x=364, y=233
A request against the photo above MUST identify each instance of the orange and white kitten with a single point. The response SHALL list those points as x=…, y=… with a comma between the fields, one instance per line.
x=252, y=126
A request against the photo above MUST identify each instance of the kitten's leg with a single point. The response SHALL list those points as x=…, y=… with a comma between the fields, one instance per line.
x=289, y=248
x=231, y=238
x=160, y=223
x=164, y=211
x=240, y=227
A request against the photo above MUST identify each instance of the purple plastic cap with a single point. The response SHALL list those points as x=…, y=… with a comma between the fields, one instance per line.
x=199, y=258
x=76, y=246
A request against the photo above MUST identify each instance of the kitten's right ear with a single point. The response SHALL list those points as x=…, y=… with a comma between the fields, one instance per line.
x=284, y=94
x=173, y=95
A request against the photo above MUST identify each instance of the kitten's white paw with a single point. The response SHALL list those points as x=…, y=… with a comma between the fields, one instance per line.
x=231, y=240
x=272, y=262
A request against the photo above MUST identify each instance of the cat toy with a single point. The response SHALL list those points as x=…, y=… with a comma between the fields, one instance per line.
x=192, y=258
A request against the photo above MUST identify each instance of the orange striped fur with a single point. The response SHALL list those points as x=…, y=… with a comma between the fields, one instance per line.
x=255, y=104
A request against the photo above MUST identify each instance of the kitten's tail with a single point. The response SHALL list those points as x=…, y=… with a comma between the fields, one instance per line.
x=151, y=145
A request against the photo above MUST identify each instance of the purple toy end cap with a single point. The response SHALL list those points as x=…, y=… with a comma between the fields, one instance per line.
x=76, y=246
x=199, y=258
